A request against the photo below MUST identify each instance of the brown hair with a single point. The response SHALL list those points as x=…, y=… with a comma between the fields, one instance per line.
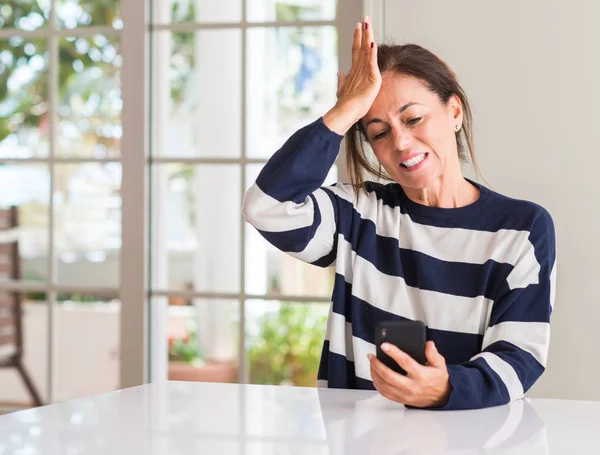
x=416, y=61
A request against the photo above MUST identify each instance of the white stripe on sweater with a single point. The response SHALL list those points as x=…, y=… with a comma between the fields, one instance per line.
x=532, y=337
x=506, y=372
x=268, y=214
x=391, y=293
x=342, y=342
x=322, y=242
x=553, y=285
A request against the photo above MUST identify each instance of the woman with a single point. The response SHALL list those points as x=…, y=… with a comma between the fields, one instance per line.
x=476, y=267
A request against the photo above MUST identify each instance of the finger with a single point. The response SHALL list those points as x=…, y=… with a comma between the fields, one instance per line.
x=368, y=35
x=373, y=58
x=434, y=358
x=395, y=380
x=356, y=43
x=340, y=83
x=410, y=365
x=366, y=32
x=388, y=391
x=380, y=384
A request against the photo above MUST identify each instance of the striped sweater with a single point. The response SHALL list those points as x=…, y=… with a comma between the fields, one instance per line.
x=481, y=277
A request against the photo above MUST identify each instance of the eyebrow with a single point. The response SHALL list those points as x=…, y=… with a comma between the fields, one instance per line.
x=400, y=111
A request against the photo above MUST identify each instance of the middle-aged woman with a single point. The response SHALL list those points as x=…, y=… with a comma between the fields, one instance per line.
x=477, y=267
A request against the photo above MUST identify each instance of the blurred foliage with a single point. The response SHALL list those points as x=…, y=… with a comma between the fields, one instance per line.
x=186, y=348
x=88, y=76
x=288, y=347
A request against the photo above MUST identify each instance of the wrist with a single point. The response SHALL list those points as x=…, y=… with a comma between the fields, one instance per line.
x=444, y=395
x=340, y=118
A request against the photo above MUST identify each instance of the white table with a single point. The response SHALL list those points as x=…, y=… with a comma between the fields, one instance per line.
x=194, y=418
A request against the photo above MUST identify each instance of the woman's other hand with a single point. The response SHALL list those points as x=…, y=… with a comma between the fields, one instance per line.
x=423, y=386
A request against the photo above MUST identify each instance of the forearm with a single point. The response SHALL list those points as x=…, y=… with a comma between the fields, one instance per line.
x=286, y=204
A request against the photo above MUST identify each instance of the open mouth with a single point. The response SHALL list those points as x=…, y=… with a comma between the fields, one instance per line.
x=414, y=161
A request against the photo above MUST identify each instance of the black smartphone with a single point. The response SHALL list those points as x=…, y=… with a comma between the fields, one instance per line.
x=409, y=336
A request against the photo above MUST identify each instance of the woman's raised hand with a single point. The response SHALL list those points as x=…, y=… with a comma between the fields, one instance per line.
x=357, y=90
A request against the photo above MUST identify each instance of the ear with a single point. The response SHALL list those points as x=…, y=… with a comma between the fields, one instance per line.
x=455, y=110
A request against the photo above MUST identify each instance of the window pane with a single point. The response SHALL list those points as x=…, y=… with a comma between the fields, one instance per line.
x=79, y=13
x=291, y=81
x=24, y=14
x=90, y=100
x=290, y=10
x=88, y=223
x=35, y=351
x=198, y=99
x=28, y=188
x=196, y=227
x=79, y=356
x=23, y=97
x=269, y=271
x=285, y=341
x=203, y=340
x=166, y=11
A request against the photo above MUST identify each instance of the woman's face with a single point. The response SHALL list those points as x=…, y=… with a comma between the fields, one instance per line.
x=412, y=132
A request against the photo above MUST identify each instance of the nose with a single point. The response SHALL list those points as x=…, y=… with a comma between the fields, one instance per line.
x=401, y=137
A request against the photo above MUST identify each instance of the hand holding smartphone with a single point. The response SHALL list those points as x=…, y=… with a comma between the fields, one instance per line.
x=408, y=336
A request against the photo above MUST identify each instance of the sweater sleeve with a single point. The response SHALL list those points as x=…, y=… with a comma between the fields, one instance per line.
x=287, y=205
x=515, y=344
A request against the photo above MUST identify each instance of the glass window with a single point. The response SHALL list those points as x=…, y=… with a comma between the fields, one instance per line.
x=198, y=97
x=80, y=13
x=35, y=351
x=28, y=188
x=26, y=15
x=284, y=341
x=291, y=79
x=80, y=356
x=90, y=100
x=197, y=11
x=87, y=205
x=24, y=129
x=203, y=340
x=291, y=10
x=196, y=227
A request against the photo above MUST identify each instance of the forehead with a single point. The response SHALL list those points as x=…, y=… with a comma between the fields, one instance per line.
x=396, y=91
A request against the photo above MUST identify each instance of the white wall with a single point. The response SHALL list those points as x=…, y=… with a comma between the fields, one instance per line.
x=532, y=72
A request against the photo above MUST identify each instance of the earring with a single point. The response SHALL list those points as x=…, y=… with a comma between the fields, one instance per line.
x=457, y=127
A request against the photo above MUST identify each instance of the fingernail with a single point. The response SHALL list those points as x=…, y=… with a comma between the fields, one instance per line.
x=385, y=347
x=372, y=44
x=366, y=25
x=370, y=356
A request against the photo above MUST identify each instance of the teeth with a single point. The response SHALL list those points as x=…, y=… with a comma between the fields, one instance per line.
x=414, y=161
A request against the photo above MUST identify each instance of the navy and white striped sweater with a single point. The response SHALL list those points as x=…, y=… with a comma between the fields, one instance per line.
x=481, y=277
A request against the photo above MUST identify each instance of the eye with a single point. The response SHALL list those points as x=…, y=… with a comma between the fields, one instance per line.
x=379, y=135
x=414, y=121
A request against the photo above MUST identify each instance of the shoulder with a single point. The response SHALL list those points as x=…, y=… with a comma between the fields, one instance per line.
x=519, y=214
x=535, y=227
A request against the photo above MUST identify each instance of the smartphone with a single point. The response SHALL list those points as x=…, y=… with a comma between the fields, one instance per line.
x=409, y=336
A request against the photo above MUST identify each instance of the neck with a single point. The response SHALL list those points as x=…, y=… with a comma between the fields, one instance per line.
x=450, y=190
